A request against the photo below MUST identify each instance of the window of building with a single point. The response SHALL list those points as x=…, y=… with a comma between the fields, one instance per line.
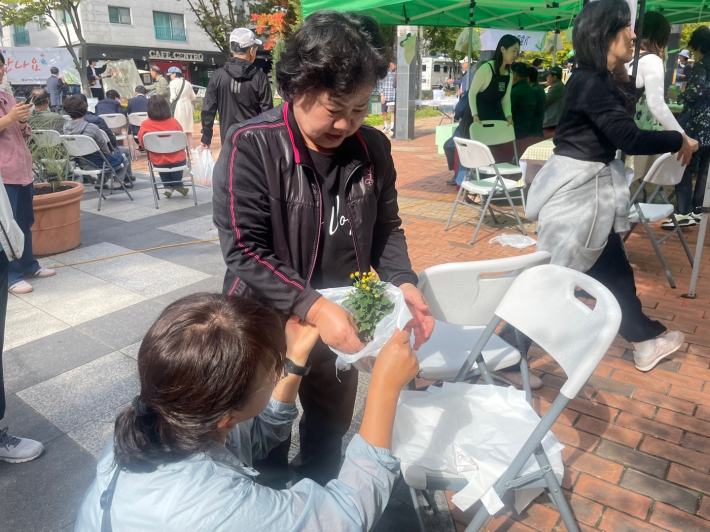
x=437, y=68
x=119, y=15
x=169, y=26
x=423, y=68
x=41, y=23
x=446, y=69
x=63, y=16
x=20, y=36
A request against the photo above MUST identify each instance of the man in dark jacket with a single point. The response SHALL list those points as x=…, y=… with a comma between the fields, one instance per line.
x=540, y=102
x=57, y=88
x=238, y=91
x=94, y=76
x=139, y=104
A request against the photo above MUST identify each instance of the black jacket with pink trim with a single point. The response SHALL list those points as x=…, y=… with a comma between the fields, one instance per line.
x=268, y=211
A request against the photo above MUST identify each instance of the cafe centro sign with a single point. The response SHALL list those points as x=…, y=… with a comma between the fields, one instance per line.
x=176, y=56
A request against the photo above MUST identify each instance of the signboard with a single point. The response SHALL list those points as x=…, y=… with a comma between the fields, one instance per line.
x=122, y=76
x=30, y=66
x=176, y=56
x=530, y=41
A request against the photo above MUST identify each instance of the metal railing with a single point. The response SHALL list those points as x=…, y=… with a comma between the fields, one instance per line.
x=170, y=34
x=21, y=38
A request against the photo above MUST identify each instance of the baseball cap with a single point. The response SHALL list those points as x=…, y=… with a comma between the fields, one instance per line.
x=685, y=53
x=244, y=37
x=556, y=71
x=174, y=70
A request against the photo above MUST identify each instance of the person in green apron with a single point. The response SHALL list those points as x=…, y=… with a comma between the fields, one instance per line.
x=489, y=94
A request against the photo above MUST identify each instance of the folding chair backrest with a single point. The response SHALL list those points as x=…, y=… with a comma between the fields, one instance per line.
x=492, y=132
x=79, y=145
x=541, y=304
x=165, y=141
x=115, y=120
x=666, y=170
x=105, y=137
x=459, y=293
x=473, y=154
x=44, y=138
x=136, y=119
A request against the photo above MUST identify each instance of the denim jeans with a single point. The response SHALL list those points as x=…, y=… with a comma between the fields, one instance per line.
x=21, y=201
x=4, y=270
x=173, y=178
x=688, y=199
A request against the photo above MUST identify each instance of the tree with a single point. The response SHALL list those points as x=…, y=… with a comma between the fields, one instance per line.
x=218, y=19
x=276, y=19
x=64, y=14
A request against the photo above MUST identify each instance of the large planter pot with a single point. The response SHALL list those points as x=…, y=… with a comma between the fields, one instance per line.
x=57, y=220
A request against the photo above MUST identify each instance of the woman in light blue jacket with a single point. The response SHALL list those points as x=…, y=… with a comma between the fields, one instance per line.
x=213, y=398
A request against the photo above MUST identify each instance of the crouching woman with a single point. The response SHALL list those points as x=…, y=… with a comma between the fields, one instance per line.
x=213, y=398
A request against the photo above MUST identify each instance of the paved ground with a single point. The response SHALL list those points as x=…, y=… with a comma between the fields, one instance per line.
x=637, y=446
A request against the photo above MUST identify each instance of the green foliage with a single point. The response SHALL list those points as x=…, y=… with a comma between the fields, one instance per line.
x=528, y=57
x=426, y=112
x=48, y=160
x=367, y=303
x=218, y=22
x=688, y=30
x=443, y=41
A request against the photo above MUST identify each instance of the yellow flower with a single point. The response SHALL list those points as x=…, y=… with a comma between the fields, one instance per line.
x=352, y=276
x=351, y=293
x=357, y=273
x=367, y=288
x=376, y=296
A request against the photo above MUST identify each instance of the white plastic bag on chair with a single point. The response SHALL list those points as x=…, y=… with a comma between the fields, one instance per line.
x=364, y=359
x=202, y=165
x=474, y=431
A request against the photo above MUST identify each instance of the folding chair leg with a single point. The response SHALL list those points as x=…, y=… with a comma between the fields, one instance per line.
x=153, y=185
x=483, y=215
x=631, y=230
x=658, y=251
x=101, y=188
x=476, y=354
x=417, y=509
x=512, y=206
x=524, y=369
x=555, y=491
x=456, y=202
x=685, y=243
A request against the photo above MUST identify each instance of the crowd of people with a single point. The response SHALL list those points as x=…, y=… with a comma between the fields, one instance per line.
x=219, y=373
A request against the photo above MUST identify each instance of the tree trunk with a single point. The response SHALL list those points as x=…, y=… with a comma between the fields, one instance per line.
x=83, y=63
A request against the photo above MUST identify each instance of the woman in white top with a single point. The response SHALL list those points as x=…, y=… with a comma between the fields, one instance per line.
x=489, y=94
x=181, y=91
x=652, y=113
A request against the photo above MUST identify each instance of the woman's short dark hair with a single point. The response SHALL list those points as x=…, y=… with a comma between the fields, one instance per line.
x=112, y=94
x=532, y=74
x=75, y=106
x=197, y=364
x=2, y=59
x=158, y=108
x=506, y=41
x=655, y=34
x=521, y=69
x=40, y=96
x=336, y=52
x=700, y=40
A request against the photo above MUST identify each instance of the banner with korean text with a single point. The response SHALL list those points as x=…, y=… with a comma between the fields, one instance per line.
x=30, y=66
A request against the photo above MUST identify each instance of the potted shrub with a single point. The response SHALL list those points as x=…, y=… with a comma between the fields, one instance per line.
x=56, y=203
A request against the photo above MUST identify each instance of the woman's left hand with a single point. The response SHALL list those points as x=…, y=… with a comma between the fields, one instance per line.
x=509, y=119
x=422, y=321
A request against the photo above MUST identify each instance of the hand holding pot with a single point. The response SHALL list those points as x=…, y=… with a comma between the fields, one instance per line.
x=336, y=326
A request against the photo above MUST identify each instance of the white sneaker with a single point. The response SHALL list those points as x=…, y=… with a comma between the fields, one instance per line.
x=649, y=353
x=21, y=287
x=684, y=220
x=18, y=450
x=44, y=272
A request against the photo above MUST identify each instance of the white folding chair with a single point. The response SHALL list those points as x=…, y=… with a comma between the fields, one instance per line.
x=494, y=133
x=116, y=122
x=665, y=171
x=473, y=155
x=48, y=138
x=462, y=297
x=168, y=142
x=541, y=304
x=79, y=146
x=135, y=119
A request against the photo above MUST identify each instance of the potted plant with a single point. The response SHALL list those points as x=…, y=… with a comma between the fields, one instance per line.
x=368, y=303
x=56, y=202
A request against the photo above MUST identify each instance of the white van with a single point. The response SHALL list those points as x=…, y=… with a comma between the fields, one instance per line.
x=436, y=70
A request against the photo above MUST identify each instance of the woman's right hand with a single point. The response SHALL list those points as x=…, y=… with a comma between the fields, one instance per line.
x=20, y=112
x=336, y=326
x=476, y=119
x=396, y=363
x=689, y=147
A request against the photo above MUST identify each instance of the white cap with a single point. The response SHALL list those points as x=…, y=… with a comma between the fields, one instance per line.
x=685, y=53
x=244, y=37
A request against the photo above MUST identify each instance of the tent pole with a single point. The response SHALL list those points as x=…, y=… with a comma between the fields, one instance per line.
x=469, y=76
x=554, y=48
x=638, y=30
x=701, y=241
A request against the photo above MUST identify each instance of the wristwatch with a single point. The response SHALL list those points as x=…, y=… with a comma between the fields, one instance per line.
x=293, y=369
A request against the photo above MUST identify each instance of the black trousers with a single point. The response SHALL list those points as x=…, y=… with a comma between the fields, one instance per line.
x=613, y=270
x=98, y=92
x=328, y=401
x=4, y=271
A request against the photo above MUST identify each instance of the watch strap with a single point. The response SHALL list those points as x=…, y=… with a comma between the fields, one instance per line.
x=294, y=369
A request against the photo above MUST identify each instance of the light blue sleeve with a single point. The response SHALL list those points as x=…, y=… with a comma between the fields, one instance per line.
x=351, y=503
x=253, y=439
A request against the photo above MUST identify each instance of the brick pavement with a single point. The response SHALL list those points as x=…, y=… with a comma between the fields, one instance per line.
x=637, y=451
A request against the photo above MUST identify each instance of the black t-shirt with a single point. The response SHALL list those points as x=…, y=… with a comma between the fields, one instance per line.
x=336, y=258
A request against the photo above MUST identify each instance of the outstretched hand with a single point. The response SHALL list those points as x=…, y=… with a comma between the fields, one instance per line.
x=422, y=322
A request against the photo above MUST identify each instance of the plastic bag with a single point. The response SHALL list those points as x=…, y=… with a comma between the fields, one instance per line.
x=474, y=431
x=397, y=319
x=202, y=165
x=514, y=241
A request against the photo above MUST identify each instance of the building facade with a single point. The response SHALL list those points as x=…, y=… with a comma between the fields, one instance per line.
x=160, y=33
